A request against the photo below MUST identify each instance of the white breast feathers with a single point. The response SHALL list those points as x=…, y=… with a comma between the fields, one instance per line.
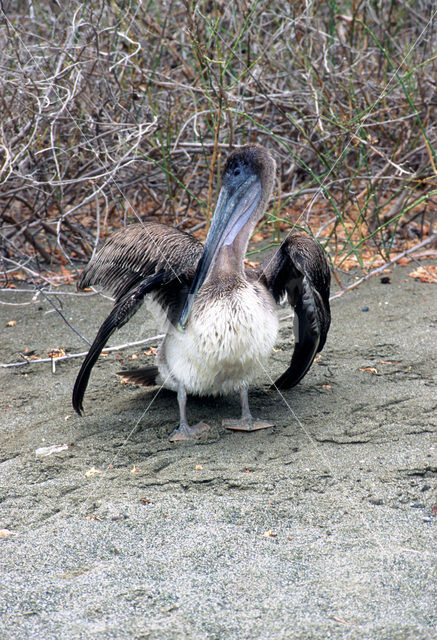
x=227, y=341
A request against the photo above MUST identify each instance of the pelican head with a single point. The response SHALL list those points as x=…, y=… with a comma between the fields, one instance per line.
x=247, y=184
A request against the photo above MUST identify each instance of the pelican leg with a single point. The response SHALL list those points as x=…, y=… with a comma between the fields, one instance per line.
x=184, y=431
x=246, y=422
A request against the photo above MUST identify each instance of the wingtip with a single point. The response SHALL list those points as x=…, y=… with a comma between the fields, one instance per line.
x=78, y=409
x=77, y=400
x=288, y=380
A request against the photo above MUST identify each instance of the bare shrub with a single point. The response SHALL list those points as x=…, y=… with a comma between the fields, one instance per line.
x=113, y=111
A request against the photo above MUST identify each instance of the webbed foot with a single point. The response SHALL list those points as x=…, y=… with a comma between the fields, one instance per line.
x=185, y=432
x=246, y=424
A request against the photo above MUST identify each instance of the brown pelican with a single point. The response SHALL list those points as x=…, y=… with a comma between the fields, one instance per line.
x=220, y=319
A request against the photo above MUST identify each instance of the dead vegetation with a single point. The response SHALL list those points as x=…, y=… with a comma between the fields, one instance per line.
x=117, y=111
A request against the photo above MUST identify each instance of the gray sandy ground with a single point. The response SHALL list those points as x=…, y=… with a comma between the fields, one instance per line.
x=322, y=527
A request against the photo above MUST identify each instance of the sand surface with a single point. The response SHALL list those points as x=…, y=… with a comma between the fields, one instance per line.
x=323, y=527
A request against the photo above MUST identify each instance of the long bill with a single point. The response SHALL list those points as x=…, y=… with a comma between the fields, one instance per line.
x=235, y=208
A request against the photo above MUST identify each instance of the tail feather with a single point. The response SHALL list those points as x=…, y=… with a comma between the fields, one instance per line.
x=145, y=377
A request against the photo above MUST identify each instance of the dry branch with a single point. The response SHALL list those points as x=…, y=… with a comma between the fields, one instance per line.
x=113, y=112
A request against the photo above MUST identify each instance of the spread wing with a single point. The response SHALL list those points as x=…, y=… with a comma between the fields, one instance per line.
x=140, y=259
x=299, y=268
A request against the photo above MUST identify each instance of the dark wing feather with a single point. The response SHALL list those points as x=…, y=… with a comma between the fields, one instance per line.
x=139, y=251
x=135, y=261
x=299, y=268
